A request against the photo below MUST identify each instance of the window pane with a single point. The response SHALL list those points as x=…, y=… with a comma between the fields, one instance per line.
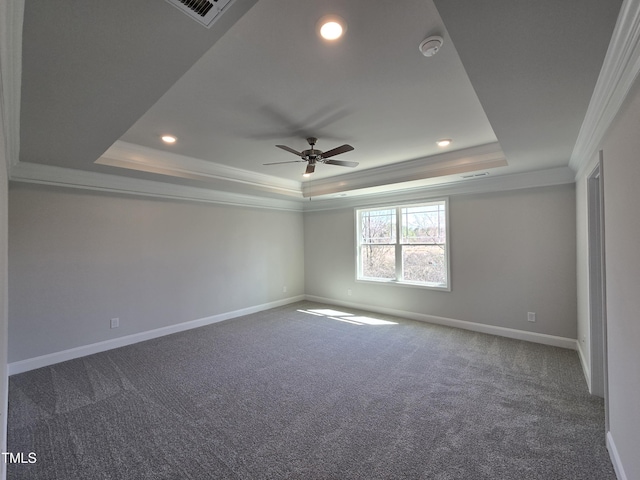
x=378, y=261
x=424, y=224
x=378, y=226
x=424, y=263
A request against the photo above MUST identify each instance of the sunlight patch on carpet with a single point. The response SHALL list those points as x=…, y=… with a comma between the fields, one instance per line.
x=347, y=317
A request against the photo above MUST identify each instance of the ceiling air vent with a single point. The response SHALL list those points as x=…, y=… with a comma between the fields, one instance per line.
x=204, y=12
x=475, y=175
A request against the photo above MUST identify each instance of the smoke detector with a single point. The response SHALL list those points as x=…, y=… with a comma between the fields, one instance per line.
x=430, y=45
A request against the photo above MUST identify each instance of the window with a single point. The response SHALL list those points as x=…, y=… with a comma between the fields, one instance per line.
x=405, y=244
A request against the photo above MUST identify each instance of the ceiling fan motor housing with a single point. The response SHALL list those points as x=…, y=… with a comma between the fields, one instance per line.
x=312, y=155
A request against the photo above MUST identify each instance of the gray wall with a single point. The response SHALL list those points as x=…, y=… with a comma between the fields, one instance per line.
x=621, y=150
x=80, y=258
x=511, y=253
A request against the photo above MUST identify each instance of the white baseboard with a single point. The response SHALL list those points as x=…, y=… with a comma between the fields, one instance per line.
x=62, y=356
x=615, y=458
x=542, y=338
x=585, y=366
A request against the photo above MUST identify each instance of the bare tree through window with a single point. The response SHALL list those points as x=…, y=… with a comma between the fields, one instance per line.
x=378, y=228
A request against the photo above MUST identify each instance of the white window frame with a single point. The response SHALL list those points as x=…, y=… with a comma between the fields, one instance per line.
x=398, y=245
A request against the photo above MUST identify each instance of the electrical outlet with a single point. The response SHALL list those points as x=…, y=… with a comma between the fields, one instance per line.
x=284, y=289
x=349, y=292
x=531, y=316
x=115, y=322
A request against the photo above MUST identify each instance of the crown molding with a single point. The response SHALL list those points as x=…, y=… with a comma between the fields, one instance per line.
x=449, y=163
x=12, y=15
x=71, y=178
x=136, y=157
x=619, y=71
x=516, y=181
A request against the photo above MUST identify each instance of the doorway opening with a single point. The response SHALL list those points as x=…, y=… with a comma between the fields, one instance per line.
x=597, y=286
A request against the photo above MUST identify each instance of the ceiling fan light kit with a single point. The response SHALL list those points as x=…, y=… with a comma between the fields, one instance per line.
x=430, y=45
x=313, y=156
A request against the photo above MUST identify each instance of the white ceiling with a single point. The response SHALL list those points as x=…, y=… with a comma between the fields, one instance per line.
x=102, y=81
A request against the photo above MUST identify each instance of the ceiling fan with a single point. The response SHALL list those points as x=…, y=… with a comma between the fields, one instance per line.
x=313, y=156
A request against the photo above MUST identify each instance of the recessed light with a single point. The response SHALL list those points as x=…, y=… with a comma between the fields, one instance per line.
x=331, y=27
x=169, y=139
x=445, y=142
x=331, y=31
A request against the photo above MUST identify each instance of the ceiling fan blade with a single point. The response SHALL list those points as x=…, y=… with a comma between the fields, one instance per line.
x=289, y=149
x=342, y=163
x=337, y=151
x=310, y=169
x=278, y=163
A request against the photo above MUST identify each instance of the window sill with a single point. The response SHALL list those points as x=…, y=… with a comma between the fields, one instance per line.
x=440, y=288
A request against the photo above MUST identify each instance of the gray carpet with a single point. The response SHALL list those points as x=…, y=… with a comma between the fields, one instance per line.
x=291, y=394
